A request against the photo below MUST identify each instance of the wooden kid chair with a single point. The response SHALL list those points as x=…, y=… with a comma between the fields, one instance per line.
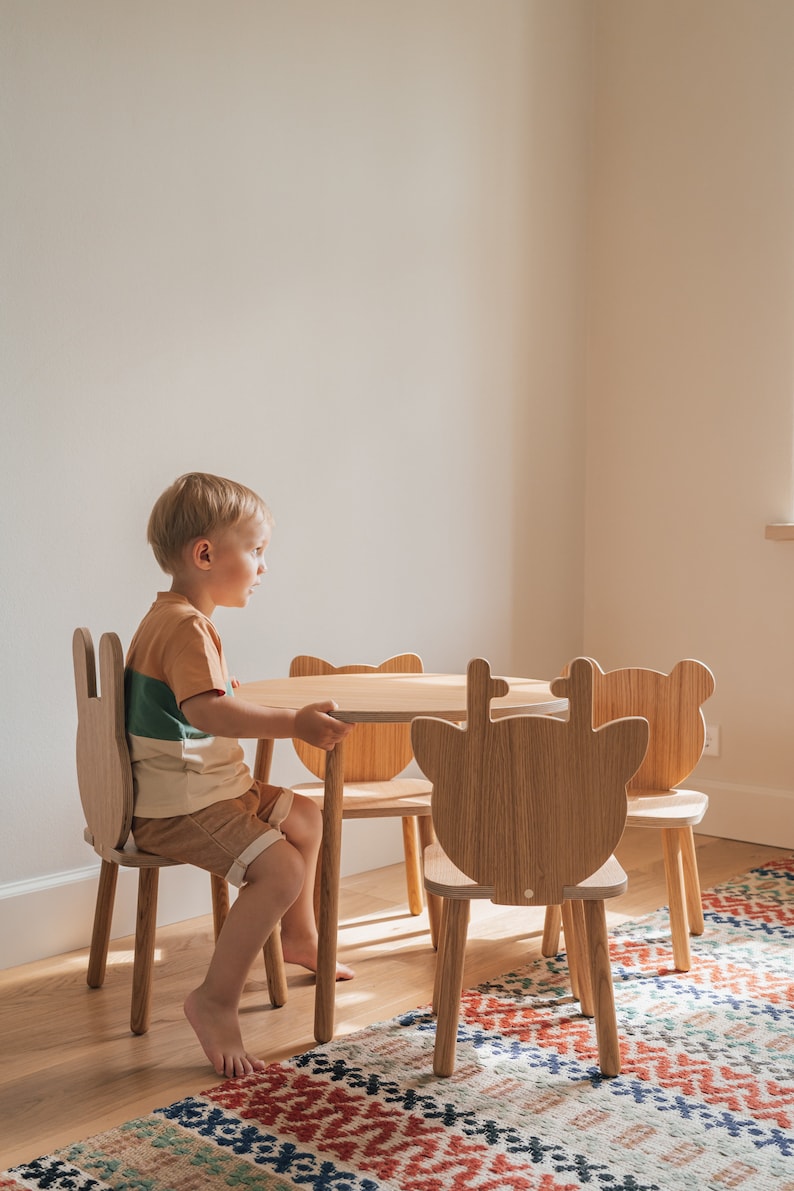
x=528, y=810
x=104, y=776
x=375, y=754
x=671, y=703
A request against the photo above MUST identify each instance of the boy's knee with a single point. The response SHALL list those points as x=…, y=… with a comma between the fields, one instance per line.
x=314, y=817
x=305, y=820
x=281, y=866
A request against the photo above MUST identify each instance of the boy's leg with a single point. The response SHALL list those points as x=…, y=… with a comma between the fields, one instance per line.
x=303, y=829
x=273, y=881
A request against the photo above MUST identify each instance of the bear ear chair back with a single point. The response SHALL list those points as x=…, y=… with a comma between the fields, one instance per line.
x=671, y=703
x=527, y=810
x=104, y=776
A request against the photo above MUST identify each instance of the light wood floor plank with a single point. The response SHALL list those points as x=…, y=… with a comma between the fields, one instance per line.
x=70, y=1068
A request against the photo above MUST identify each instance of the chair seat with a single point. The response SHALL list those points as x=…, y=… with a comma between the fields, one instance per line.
x=443, y=878
x=129, y=856
x=667, y=808
x=370, y=800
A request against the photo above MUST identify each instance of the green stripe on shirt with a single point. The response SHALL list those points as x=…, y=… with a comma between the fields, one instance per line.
x=152, y=711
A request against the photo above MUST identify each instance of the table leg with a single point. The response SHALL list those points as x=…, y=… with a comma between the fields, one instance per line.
x=328, y=923
x=274, y=957
x=264, y=759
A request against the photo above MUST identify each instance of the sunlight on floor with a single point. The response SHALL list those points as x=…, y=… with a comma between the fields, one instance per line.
x=128, y=957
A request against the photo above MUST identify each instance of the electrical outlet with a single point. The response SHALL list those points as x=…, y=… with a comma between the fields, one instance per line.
x=712, y=746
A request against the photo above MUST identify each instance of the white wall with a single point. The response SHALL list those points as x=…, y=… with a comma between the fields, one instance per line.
x=691, y=383
x=334, y=249
x=346, y=252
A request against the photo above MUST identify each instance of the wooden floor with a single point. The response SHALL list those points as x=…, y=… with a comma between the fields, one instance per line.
x=70, y=1068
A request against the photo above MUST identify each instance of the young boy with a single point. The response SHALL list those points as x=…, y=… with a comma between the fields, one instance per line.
x=195, y=798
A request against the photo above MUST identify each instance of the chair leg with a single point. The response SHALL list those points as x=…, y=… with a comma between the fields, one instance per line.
x=103, y=916
x=550, y=945
x=427, y=836
x=577, y=952
x=434, y=911
x=442, y=927
x=694, y=899
x=674, y=873
x=451, y=955
x=275, y=970
x=413, y=866
x=143, y=964
x=220, y=902
x=603, y=990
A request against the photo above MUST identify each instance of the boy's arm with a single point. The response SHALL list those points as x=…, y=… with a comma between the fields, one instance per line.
x=219, y=715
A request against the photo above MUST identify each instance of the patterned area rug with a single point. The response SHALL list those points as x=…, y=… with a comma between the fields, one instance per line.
x=705, y=1098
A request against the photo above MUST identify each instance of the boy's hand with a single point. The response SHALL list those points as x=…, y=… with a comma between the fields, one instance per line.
x=314, y=725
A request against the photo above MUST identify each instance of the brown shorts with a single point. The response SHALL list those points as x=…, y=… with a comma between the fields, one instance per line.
x=222, y=838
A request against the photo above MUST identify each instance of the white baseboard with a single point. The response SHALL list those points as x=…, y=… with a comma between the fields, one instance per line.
x=756, y=814
x=53, y=915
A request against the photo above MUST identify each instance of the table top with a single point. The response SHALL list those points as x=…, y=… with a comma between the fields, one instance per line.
x=398, y=698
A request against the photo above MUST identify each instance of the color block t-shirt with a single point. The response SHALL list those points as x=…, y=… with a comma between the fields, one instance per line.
x=176, y=653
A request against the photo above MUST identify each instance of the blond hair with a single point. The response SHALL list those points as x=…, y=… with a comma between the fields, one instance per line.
x=197, y=505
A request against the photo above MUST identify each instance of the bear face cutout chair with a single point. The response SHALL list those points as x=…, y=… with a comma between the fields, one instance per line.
x=527, y=811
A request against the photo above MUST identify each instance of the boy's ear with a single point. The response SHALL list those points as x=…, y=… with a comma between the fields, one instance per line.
x=201, y=554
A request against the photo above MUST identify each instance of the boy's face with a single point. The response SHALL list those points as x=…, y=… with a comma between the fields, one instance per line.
x=238, y=561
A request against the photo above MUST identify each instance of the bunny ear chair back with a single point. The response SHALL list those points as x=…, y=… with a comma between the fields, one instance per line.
x=104, y=778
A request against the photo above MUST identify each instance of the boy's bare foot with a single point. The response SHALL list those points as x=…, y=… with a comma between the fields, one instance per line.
x=305, y=955
x=218, y=1030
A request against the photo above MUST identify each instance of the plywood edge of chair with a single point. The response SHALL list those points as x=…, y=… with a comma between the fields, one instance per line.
x=609, y=881
x=445, y=879
x=666, y=808
x=131, y=857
